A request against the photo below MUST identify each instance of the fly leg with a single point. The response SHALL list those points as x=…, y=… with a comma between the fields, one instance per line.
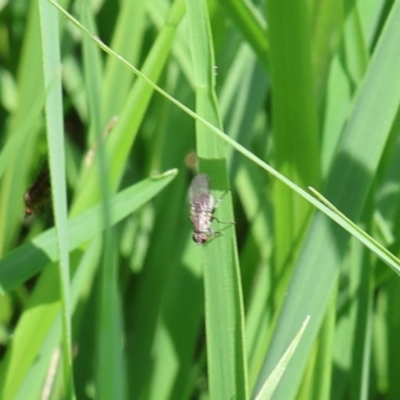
x=216, y=205
x=218, y=202
x=223, y=222
x=214, y=234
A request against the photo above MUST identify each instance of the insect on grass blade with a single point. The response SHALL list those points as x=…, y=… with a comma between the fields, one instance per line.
x=202, y=207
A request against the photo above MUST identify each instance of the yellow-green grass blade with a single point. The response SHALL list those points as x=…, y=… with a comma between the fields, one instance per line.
x=347, y=186
x=55, y=139
x=227, y=374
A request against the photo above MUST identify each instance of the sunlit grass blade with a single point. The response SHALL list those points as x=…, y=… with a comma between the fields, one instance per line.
x=30, y=92
x=117, y=79
x=271, y=383
x=227, y=373
x=55, y=140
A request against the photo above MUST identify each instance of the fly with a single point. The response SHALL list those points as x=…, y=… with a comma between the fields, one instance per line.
x=38, y=196
x=202, y=207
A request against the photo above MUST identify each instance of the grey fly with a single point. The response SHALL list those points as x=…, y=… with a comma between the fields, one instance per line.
x=202, y=207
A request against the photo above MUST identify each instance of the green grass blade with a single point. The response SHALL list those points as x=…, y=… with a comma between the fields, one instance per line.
x=271, y=383
x=110, y=369
x=251, y=24
x=55, y=138
x=117, y=79
x=30, y=258
x=227, y=372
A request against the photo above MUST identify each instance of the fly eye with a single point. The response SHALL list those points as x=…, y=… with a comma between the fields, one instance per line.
x=199, y=238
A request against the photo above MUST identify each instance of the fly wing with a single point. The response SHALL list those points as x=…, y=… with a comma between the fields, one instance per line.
x=199, y=188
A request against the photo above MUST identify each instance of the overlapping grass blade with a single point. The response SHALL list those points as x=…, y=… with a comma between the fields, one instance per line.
x=14, y=269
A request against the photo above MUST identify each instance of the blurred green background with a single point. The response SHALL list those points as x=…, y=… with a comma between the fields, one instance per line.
x=116, y=301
